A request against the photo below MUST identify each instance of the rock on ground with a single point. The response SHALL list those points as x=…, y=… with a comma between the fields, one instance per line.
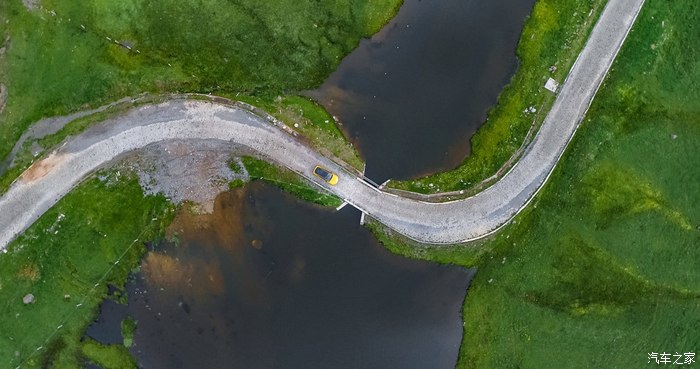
x=28, y=299
x=31, y=4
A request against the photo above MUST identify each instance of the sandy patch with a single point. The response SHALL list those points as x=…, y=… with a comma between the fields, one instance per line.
x=29, y=272
x=42, y=167
x=223, y=226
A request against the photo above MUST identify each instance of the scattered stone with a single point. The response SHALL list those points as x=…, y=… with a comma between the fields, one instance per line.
x=28, y=299
x=530, y=109
x=66, y=297
x=552, y=69
x=296, y=125
x=551, y=85
x=31, y=4
x=257, y=244
x=674, y=136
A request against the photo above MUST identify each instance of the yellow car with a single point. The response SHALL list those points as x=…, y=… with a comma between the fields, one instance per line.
x=326, y=175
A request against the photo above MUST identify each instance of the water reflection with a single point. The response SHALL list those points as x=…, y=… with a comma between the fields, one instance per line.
x=426, y=81
x=270, y=282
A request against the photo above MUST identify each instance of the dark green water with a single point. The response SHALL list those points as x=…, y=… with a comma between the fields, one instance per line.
x=411, y=97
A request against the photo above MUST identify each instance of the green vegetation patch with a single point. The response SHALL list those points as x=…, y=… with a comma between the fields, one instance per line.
x=313, y=122
x=553, y=36
x=91, y=238
x=128, y=326
x=604, y=266
x=288, y=181
x=108, y=356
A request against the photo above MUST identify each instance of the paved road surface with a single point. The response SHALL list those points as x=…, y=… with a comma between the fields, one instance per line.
x=51, y=178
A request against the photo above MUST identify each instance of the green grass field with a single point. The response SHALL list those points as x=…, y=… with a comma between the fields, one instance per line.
x=604, y=267
x=66, y=260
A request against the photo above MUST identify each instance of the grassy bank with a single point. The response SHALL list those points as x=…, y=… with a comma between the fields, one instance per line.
x=603, y=267
x=288, y=181
x=553, y=35
x=66, y=260
x=313, y=122
x=67, y=56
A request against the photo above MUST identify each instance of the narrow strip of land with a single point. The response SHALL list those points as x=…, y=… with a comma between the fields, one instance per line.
x=43, y=184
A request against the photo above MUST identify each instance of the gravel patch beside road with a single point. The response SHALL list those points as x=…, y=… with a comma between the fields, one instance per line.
x=452, y=222
x=187, y=170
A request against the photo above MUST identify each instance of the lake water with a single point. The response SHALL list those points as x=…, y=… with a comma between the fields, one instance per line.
x=411, y=97
x=268, y=281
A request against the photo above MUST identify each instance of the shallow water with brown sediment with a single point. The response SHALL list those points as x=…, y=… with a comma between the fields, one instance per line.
x=268, y=281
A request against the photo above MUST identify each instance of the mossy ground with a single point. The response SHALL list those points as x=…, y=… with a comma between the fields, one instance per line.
x=66, y=260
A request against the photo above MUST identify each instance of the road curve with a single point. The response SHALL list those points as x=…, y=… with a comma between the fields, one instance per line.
x=43, y=184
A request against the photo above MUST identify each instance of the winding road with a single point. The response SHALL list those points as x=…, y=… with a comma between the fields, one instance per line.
x=49, y=179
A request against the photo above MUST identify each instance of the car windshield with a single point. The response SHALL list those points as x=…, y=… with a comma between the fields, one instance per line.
x=323, y=173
